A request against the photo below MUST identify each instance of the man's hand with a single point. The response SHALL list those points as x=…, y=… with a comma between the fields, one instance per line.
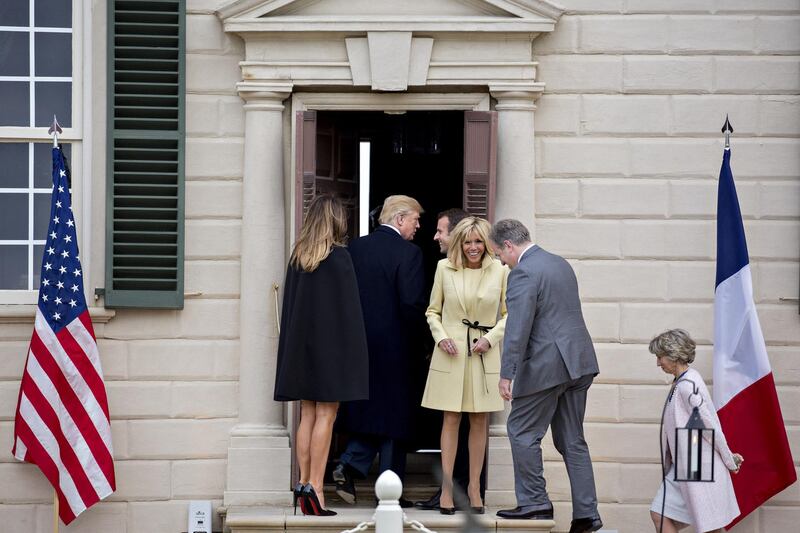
x=505, y=388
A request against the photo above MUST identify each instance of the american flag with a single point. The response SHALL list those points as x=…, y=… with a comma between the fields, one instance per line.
x=62, y=422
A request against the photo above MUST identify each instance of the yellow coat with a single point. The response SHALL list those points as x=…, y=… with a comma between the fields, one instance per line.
x=444, y=389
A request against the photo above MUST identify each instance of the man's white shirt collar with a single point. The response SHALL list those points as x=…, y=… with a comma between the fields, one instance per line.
x=390, y=226
x=531, y=245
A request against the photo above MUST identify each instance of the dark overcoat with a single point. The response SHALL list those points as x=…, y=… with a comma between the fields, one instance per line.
x=391, y=282
x=322, y=348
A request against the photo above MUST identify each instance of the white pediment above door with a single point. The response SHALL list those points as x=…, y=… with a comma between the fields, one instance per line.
x=390, y=45
x=390, y=15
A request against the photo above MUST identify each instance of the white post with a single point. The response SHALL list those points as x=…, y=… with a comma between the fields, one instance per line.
x=389, y=514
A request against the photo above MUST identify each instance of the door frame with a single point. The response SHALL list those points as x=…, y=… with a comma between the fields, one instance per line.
x=383, y=102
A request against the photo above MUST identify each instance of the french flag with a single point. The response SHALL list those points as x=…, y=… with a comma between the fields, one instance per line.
x=744, y=389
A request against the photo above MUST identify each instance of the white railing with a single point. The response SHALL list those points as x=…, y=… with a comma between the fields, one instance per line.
x=389, y=516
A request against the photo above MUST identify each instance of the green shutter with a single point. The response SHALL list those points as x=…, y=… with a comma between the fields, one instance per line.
x=145, y=186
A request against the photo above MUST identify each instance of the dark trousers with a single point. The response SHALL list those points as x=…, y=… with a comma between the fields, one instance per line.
x=561, y=408
x=362, y=449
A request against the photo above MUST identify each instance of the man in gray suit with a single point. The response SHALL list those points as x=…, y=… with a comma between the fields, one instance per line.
x=549, y=358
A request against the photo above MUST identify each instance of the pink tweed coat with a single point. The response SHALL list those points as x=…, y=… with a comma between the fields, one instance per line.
x=711, y=505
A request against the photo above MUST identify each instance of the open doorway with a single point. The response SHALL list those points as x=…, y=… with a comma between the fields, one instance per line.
x=444, y=159
x=418, y=153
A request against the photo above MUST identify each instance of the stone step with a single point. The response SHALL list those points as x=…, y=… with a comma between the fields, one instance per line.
x=276, y=519
x=365, y=491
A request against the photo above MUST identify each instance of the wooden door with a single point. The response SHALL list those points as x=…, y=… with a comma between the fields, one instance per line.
x=326, y=161
x=304, y=180
x=480, y=163
x=480, y=183
x=305, y=164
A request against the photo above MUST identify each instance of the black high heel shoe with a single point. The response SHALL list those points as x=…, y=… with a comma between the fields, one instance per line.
x=446, y=510
x=476, y=509
x=297, y=495
x=312, y=501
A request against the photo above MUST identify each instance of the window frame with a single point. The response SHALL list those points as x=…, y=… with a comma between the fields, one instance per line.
x=75, y=135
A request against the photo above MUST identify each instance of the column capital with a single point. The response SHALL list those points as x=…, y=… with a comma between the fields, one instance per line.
x=516, y=96
x=264, y=95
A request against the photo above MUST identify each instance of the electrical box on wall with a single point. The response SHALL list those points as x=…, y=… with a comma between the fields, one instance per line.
x=199, y=517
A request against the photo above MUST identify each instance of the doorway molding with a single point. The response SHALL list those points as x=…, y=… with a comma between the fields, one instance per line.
x=328, y=55
x=338, y=101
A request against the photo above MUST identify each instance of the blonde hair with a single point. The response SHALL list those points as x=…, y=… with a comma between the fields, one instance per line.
x=461, y=233
x=675, y=344
x=324, y=227
x=398, y=205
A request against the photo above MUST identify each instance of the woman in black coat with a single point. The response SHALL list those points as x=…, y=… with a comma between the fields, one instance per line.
x=322, y=348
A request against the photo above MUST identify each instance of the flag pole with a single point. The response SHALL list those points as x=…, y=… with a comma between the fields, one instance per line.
x=55, y=511
x=54, y=130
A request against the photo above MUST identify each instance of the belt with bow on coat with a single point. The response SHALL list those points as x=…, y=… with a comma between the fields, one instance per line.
x=470, y=341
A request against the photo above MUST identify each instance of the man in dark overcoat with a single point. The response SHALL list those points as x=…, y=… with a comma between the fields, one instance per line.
x=391, y=283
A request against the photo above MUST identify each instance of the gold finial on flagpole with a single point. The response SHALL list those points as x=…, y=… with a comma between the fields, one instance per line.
x=55, y=129
x=727, y=129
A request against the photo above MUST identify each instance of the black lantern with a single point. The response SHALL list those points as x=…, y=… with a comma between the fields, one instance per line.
x=694, y=454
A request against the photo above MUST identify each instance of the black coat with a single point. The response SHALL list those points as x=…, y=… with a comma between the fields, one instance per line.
x=322, y=349
x=391, y=282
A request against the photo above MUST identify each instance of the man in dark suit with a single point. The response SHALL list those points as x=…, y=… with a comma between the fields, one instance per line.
x=549, y=358
x=391, y=283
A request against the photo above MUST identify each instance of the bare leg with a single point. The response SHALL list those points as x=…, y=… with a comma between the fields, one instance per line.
x=477, y=451
x=669, y=525
x=303, y=439
x=449, y=444
x=321, y=444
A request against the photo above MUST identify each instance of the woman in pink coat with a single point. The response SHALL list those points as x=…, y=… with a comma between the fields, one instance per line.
x=707, y=506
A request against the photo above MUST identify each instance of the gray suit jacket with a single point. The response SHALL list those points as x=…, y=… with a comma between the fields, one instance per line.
x=546, y=342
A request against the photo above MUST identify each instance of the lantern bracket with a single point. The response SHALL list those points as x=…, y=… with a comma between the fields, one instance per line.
x=695, y=391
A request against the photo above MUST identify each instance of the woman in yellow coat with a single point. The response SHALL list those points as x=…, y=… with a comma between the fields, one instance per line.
x=467, y=315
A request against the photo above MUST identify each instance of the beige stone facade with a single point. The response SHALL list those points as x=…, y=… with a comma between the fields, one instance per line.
x=608, y=145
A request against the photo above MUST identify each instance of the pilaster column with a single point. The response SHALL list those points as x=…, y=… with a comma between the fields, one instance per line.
x=259, y=454
x=515, y=150
x=515, y=171
x=515, y=199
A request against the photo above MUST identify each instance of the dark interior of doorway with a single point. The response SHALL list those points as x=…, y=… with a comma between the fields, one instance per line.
x=419, y=154
x=416, y=153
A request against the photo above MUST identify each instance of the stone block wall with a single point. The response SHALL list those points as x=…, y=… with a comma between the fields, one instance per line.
x=628, y=149
x=628, y=153
x=171, y=376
